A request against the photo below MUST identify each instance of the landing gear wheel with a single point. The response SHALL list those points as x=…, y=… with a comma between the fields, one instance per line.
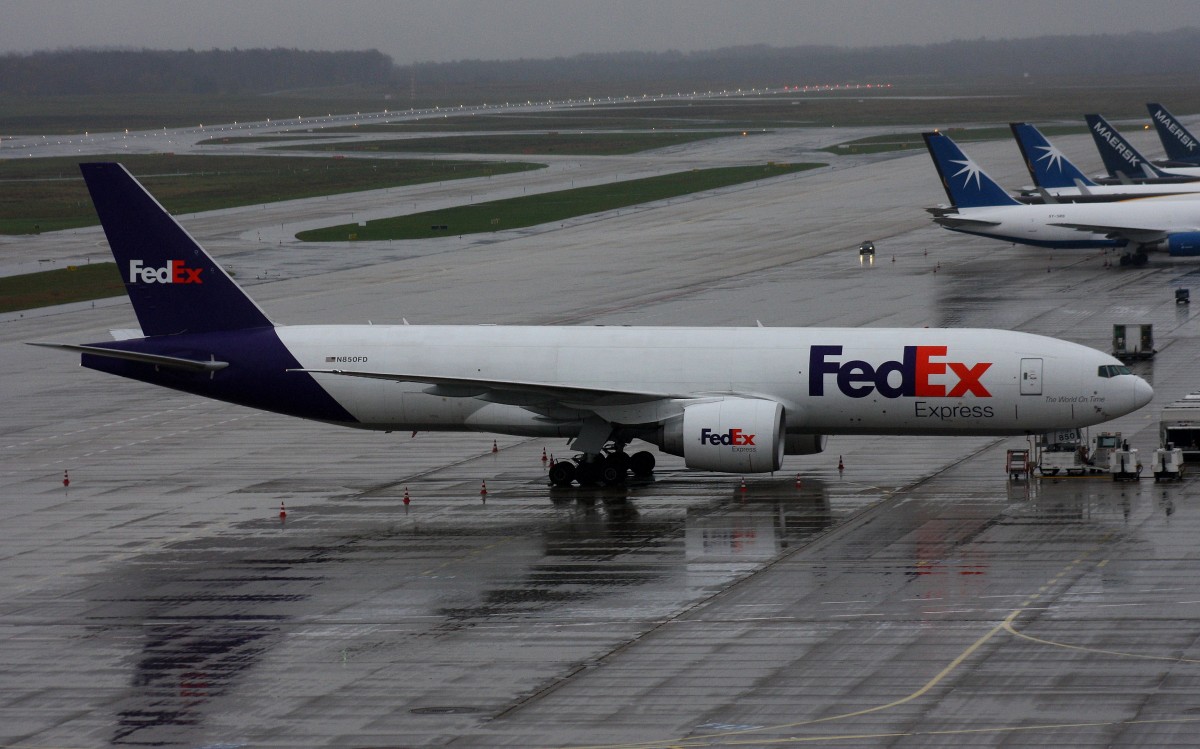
x=612, y=473
x=562, y=473
x=642, y=463
x=1126, y=260
x=588, y=474
x=1140, y=259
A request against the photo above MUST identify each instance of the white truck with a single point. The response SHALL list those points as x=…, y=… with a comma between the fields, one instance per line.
x=1179, y=426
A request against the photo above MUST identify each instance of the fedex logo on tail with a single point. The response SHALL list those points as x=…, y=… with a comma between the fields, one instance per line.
x=913, y=376
x=173, y=272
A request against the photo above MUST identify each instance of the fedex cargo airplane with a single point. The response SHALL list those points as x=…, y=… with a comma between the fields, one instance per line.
x=725, y=399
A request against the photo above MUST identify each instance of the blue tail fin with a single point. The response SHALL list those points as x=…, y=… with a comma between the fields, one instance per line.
x=966, y=184
x=175, y=287
x=1179, y=144
x=1046, y=164
x=1119, y=156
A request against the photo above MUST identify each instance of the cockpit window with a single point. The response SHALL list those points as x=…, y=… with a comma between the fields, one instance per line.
x=1112, y=370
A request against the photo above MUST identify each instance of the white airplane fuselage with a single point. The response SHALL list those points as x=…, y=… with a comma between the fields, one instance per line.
x=1077, y=225
x=882, y=381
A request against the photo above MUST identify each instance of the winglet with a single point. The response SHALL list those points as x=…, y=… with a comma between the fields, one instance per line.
x=174, y=285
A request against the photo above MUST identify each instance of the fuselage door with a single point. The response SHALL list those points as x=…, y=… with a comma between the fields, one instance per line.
x=1031, y=377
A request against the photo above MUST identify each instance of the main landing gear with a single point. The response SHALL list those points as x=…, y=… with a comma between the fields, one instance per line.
x=610, y=467
x=1134, y=259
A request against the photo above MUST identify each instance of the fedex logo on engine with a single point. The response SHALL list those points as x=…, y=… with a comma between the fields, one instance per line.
x=173, y=272
x=735, y=437
x=921, y=373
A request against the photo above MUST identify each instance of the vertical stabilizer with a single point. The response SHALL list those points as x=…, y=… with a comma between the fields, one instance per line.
x=966, y=184
x=1046, y=164
x=1178, y=142
x=1119, y=156
x=174, y=285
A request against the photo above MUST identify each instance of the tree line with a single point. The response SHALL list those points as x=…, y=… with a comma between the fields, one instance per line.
x=216, y=71
x=260, y=71
x=1063, y=57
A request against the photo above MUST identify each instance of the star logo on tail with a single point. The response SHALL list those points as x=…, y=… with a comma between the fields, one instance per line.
x=972, y=170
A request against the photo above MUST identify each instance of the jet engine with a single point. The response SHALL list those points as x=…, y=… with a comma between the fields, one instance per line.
x=733, y=435
x=1179, y=244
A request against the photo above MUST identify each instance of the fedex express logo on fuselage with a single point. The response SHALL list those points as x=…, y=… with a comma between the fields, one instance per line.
x=922, y=372
x=173, y=272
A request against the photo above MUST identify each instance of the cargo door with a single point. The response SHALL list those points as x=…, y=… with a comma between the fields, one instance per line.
x=1031, y=377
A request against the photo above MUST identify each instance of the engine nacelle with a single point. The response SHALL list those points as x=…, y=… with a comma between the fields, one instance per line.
x=804, y=444
x=1181, y=244
x=734, y=435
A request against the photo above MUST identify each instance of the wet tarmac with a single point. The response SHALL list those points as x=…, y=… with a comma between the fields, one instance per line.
x=915, y=598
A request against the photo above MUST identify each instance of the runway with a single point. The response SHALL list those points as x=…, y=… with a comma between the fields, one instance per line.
x=915, y=598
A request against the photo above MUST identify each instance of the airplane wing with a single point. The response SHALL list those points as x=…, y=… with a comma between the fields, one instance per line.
x=1135, y=234
x=628, y=406
x=158, y=360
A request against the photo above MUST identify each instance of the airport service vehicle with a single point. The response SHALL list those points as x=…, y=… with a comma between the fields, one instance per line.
x=1167, y=464
x=1056, y=179
x=1181, y=146
x=1067, y=451
x=734, y=400
x=1133, y=342
x=1179, y=426
x=978, y=205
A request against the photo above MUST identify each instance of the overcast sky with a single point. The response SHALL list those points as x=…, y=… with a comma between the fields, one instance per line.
x=443, y=30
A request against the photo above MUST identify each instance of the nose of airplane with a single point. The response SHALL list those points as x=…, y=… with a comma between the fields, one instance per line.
x=1143, y=393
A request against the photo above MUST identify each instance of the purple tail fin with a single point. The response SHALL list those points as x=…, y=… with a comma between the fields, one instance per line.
x=175, y=287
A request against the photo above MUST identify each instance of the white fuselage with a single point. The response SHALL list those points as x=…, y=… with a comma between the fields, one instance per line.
x=1053, y=225
x=882, y=381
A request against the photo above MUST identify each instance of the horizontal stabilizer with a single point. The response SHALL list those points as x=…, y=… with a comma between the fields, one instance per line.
x=957, y=222
x=158, y=360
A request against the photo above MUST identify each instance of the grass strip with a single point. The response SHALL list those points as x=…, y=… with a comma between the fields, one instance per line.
x=543, y=143
x=515, y=213
x=38, y=195
x=71, y=284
